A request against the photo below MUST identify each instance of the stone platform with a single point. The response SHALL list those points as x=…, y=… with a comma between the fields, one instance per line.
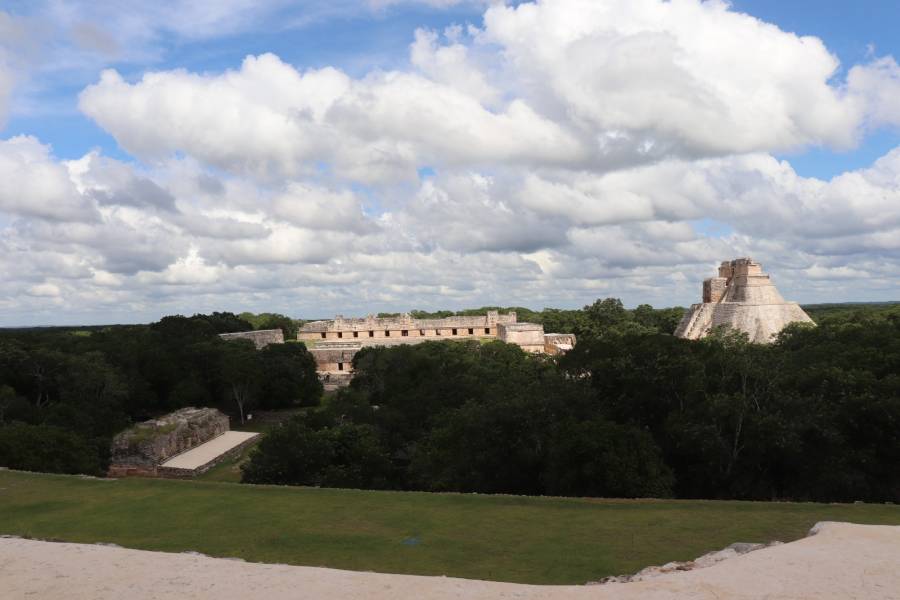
x=202, y=458
x=184, y=443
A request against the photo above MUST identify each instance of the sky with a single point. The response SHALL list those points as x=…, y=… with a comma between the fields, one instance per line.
x=356, y=156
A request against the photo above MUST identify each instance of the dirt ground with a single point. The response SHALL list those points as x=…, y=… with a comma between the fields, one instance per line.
x=841, y=561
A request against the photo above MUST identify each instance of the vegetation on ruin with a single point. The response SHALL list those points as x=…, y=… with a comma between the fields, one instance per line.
x=506, y=538
x=287, y=325
x=141, y=434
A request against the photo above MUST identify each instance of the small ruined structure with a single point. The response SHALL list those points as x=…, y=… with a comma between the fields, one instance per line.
x=558, y=343
x=261, y=338
x=528, y=336
x=741, y=297
x=334, y=343
x=148, y=448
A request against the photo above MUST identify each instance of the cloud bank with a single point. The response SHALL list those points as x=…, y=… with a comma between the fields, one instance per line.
x=557, y=152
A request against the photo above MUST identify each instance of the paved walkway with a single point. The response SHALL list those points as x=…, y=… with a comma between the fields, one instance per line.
x=204, y=453
x=842, y=561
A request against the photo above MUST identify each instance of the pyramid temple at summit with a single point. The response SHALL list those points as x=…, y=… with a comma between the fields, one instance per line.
x=743, y=298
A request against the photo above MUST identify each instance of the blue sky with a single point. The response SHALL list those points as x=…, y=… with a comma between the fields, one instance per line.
x=355, y=40
x=853, y=31
x=602, y=148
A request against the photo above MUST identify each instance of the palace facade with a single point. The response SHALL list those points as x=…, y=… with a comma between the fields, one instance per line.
x=334, y=343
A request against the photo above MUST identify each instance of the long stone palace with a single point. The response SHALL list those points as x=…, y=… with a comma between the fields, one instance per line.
x=744, y=298
x=333, y=343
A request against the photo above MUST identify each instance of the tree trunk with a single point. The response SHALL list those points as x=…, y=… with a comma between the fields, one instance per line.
x=239, y=400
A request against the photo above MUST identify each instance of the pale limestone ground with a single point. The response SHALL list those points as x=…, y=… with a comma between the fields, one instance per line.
x=202, y=454
x=842, y=561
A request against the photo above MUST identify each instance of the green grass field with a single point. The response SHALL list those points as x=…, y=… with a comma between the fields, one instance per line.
x=228, y=470
x=507, y=538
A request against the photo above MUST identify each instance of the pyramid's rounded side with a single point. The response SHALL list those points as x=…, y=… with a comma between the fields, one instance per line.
x=761, y=322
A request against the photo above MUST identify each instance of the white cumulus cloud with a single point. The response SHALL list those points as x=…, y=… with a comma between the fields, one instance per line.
x=554, y=153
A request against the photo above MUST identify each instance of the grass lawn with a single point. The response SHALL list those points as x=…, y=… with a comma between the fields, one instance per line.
x=507, y=538
x=228, y=470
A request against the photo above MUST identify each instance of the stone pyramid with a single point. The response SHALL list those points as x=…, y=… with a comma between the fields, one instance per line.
x=744, y=298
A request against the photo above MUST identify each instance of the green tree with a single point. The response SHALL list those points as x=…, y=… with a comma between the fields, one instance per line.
x=348, y=455
x=224, y=322
x=488, y=446
x=7, y=397
x=658, y=320
x=48, y=449
x=288, y=376
x=563, y=321
x=605, y=459
x=288, y=326
x=609, y=317
x=92, y=393
x=241, y=374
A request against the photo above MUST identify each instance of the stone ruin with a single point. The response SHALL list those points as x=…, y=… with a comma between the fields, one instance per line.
x=261, y=338
x=141, y=449
x=558, y=343
x=334, y=343
x=744, y=298
x=403, y=329
x=528, y=336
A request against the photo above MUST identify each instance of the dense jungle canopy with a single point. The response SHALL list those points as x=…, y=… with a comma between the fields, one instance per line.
x=632, y=411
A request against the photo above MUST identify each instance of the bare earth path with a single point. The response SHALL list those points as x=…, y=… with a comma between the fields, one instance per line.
x=841, y=561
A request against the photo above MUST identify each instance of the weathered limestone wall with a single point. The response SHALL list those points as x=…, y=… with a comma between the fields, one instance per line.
x=334, y=343
x=558, y=343
x=374, y=328
x=745, y=266
x=261, y=338
x=529, y=336
x=140, y=450
x=714, y=289
x=749, y=302
x=335, y=357
x=333, y=381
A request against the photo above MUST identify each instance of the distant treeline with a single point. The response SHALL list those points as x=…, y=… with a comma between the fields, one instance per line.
x=558, y=320
x=577, y=321
x=632, y=411
x=65, y=392
x=820, y=311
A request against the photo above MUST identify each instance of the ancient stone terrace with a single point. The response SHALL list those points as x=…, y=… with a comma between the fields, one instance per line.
x=182, y=444
x=373, y=330
x=260, y=338
x=334, y=343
